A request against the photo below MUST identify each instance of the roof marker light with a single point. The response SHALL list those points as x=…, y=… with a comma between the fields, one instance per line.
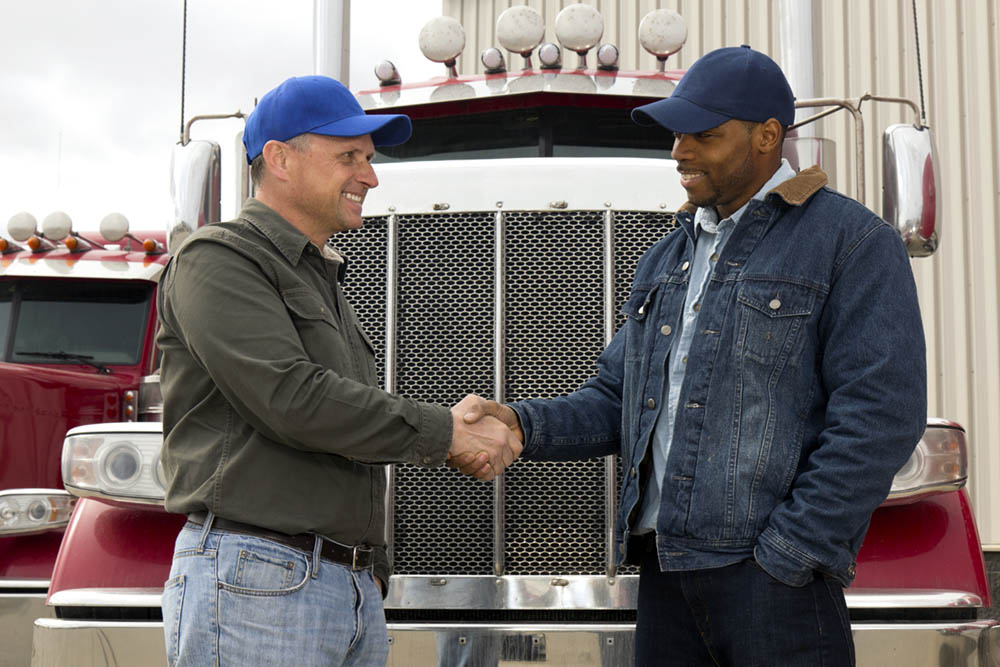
x=607, y=57
x=442, y=40
x=22, y=226
x=493, y=61
x=387, y=74
x=579, y=28
x=520, y=30
x=662, y=32
x=57, y=226
x=550, y=55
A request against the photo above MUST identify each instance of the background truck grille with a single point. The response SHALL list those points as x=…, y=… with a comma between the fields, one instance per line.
x=554, y=514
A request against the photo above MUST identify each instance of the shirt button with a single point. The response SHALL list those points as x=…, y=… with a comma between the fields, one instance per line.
x=427, y=460
x=775, y=304
x=684, y=360
x=715, y=257
x=651, y=403
x=665, y=330
x=697, y=307
x=685, y=265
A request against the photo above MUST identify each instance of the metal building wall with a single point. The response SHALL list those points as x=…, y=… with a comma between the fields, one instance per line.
x=863, y=46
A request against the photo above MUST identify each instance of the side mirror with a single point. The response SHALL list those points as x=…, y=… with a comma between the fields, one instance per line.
x=910, y=185
x=195, y=187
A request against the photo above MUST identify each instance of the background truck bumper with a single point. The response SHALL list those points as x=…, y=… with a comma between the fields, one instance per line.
x=18, y=612
x=59, y=642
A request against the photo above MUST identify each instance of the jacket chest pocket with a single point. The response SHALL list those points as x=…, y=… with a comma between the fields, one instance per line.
x=772, y=318
x=637, y=314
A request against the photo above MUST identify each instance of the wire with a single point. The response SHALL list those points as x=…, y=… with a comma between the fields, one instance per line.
x=920, y=72
x=183, y=63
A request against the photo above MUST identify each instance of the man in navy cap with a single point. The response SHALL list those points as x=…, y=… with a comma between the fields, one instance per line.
x=276, y=434
x=767, y=385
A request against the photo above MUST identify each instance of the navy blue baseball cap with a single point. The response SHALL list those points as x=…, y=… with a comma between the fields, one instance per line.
x=732, y=82
x=317, y=105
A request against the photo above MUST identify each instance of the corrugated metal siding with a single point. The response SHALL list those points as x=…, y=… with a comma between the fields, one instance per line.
x=864, y=46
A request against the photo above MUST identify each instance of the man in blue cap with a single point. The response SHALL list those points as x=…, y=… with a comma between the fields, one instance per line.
x=276, y=434
x=768, y=383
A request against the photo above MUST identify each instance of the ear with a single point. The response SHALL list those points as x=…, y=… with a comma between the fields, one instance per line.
x=767, y=136
x=277, y=156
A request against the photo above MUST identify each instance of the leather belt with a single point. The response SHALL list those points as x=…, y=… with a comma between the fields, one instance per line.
x=360, y=557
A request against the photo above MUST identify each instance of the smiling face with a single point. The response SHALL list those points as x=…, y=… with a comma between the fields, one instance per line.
x=328, y=179
x=725, y=166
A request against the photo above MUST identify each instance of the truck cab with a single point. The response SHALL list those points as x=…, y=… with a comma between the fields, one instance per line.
x=495, y=258
x=76, y=341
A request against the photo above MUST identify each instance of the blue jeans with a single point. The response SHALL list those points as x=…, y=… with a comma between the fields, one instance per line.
x=739, y=616
x=234, y=599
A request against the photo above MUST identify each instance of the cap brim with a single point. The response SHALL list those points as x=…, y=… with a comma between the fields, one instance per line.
x=385, y=129
x=678, y=115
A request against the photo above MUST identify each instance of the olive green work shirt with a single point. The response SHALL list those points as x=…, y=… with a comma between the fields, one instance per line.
x=272, y=414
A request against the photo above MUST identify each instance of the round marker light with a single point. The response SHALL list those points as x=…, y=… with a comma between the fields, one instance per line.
x=662, y=32
x=150, y=245
x=114, y=227
x=34, y=243
x=607, y=56
x=520, y=29
x=442, y=40
x=3, y=245
x=22, y=226
x=71, y=243
x=57, y=226
x=579, y=27
x=386, y=73
x=493, y=61
x=550, y=55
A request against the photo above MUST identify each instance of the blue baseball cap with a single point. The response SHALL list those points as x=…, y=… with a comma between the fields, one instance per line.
x=317, y=105
x=732, y=82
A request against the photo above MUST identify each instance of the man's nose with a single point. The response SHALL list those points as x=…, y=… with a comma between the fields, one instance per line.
x=682, y=146
x=366, y=175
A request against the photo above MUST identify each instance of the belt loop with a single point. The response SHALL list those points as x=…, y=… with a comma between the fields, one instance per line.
x=317, y=550
x=205, y=529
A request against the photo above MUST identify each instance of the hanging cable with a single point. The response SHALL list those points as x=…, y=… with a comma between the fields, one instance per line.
x=183, y=63
x=920, y=72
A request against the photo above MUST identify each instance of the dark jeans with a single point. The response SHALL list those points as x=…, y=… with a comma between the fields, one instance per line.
x=739, y=616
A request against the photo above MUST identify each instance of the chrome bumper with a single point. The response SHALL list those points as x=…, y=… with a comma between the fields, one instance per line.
x=17, y=613
x=60, y=642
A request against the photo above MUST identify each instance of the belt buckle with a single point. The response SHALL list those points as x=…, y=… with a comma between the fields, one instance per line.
x=354, y=556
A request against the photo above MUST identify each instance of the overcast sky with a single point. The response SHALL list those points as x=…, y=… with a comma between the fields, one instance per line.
x=90, y=90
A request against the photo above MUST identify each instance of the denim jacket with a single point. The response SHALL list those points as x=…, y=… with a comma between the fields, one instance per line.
x=805, y=389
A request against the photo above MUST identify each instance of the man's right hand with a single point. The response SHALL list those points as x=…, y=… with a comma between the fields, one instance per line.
x=482, y=445
x=474, y=411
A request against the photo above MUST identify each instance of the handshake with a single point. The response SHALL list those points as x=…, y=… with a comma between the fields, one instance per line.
x=486, y=437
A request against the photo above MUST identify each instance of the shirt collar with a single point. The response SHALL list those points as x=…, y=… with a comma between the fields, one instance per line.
x=707, y=219
x=289, y=241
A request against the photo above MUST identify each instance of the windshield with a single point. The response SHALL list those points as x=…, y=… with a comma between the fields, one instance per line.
x=73, y=321
x=551, y=131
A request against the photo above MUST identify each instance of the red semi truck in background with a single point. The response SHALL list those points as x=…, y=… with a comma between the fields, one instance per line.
x=495, y=257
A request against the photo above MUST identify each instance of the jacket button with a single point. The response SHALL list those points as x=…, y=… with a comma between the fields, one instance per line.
x=651, y=403
x=696, y=307
x=665, y=330
x=685, y=265
x=775, y=304
x=633, y=471
x=621, y=548
x=714, y=257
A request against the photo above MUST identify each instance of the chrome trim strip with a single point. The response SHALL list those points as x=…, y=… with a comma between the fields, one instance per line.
x=91, y=493
x=910, y=599
x=391, y=301
x=106, y=597
x=528, y=592
x=610, y=470
x=499, y=375
x=67, y=624
x=42, y=584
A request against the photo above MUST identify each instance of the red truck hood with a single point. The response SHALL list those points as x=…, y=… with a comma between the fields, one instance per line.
x=37, y=406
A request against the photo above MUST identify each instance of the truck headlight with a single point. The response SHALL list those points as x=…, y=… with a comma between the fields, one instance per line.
x=118, y=461
x=938, y=464
x=24, y=511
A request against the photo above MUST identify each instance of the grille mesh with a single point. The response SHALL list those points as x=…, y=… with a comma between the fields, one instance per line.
x=554, y=309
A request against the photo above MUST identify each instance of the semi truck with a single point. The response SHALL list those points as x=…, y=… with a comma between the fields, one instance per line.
x=495, y=259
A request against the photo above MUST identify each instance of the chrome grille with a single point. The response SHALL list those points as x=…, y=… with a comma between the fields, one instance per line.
x=554, y=513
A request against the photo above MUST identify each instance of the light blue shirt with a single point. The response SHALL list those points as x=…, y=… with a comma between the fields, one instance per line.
x=710, y=238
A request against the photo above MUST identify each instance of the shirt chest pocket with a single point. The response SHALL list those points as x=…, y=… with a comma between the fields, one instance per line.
x=773, y=317
x=318, y=329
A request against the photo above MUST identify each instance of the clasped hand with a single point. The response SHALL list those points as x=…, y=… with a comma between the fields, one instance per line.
x=486, y=437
